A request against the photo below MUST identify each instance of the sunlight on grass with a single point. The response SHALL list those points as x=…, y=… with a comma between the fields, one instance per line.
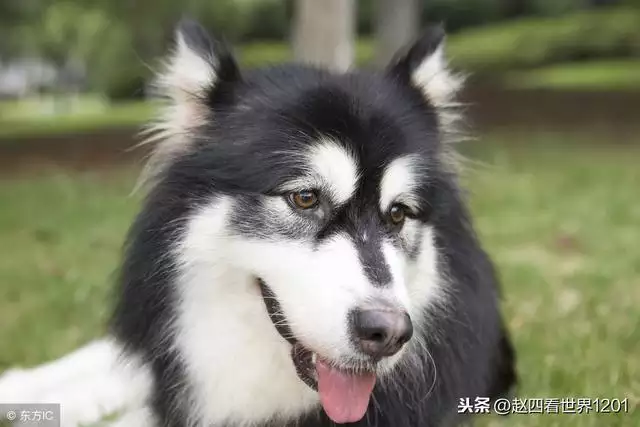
x=68, y=115
x=595, y=75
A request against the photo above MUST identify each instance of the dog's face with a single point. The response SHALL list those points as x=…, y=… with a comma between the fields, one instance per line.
x=314, y=193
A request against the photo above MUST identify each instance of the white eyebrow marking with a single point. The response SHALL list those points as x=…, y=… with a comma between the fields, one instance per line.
x=399, y=182
x=335, y=168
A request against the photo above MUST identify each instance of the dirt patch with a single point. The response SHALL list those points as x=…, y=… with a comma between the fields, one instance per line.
x=81, y=151
x=614, y=114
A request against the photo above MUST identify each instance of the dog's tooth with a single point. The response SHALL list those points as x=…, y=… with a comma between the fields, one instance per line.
x=313, y=358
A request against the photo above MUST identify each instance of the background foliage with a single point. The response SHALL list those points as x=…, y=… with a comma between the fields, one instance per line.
x=118, y=41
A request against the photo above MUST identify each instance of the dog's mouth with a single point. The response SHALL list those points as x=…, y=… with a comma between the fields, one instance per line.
x=344, y=391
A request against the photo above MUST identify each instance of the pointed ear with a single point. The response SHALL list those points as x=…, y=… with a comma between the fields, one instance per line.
x=198, y=65
x=199, y=76
x=423, y=65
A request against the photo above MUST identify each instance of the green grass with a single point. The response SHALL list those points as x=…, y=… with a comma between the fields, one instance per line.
x=561, y=221
x=590, y=76
x=559, y=215
x=60, y=235
x=28, y=118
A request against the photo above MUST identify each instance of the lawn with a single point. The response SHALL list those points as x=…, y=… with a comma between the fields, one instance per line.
x=559, y=215
x=585, y=76
x=34, y=117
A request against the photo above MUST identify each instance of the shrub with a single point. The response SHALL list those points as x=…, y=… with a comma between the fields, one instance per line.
x=268, y=20
x=458, y=14
x=602, y=33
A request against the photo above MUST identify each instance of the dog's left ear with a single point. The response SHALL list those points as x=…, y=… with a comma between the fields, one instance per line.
x=424, y=66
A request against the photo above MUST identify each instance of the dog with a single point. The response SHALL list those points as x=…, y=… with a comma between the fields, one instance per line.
x=304, y=255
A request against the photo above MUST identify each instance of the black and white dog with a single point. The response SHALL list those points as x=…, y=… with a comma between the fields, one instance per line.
x=304, y=256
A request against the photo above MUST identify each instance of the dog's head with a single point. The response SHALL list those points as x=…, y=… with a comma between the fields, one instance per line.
x=323, y=189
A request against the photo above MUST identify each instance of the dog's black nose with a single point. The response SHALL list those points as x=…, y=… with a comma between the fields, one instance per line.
x=381, y=333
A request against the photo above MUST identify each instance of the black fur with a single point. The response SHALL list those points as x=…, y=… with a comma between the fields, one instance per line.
x=379, y=116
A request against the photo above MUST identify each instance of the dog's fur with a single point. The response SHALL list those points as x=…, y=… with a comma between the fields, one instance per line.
x=231, y=146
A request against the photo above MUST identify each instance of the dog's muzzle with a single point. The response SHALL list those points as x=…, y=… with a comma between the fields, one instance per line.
x=345, y=386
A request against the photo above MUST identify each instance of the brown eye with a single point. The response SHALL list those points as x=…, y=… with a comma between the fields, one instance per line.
x=397, y=213
x=305, y=199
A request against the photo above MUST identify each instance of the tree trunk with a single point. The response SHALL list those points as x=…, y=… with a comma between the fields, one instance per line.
x=397, y=24
x=324, y=33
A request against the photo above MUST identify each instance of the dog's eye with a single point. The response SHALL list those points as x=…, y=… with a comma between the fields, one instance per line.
x=397, y=213
x=305, y=199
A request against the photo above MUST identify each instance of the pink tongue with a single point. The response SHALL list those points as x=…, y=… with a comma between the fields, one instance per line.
x=344, y=396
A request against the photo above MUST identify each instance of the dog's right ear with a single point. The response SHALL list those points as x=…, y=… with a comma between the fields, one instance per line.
x=199, y=69
x=199, y=76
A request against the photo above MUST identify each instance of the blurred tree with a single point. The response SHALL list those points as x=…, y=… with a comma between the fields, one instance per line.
x=610, y=2
x=555, y=7
x=68, y=35
x=13, y=15
x=119, y=41
x=11, y=11
x=397, y=23
x=268, y=20
x=70, y=32
x=324, y=32
x=146, y=29
x=455, y=14
x=515, y=8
